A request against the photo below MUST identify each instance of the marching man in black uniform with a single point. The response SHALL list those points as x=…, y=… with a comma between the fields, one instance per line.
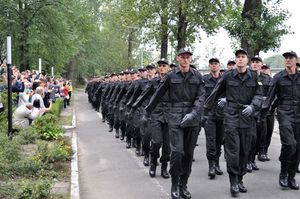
x=243, y=96
x=213, y=123
x=286, y=87
x=186, y=95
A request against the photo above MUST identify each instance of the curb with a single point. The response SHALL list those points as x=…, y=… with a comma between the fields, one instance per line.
x=74, y=192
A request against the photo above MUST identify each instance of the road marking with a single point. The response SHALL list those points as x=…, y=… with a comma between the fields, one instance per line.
x=145, y=170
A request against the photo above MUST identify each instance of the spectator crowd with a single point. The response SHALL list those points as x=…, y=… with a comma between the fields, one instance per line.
x=36, y=92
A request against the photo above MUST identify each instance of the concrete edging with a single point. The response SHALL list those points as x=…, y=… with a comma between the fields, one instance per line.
x=74, y=192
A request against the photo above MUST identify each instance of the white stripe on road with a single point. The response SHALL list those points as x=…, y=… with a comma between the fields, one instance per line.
x=145, y=170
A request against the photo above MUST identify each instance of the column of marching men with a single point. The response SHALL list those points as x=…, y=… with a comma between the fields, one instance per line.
x=165, y=105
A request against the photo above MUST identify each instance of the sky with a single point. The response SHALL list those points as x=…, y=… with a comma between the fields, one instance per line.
x=222, y=41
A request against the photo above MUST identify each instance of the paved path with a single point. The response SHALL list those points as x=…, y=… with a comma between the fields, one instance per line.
x=107, y=170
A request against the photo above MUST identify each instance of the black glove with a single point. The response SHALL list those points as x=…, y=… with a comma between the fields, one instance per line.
x=186, y=120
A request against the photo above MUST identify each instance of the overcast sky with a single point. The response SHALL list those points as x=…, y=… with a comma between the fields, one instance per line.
x=289, y=42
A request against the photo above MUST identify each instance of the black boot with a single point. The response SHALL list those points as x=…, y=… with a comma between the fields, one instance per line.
x=153, y=164
x=122, y=135
x=175, y=188
x=103, y=118
x=283, y=180
x=254, y=166
x=292, y=182
x=110, y=128
x=138, y=147
x=183, y=191
x=234, y=188
x=283, y=176
x=164, y=172
x=128, y=143
x=146, y=160
x=218, y=169
x=211, y=169
x=117, y=133
x=249, y=167
x=241, y=186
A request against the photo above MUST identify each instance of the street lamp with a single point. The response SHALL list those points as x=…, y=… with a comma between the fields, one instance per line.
x=9, y=90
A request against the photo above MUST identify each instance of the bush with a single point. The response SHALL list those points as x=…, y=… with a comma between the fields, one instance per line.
x=9, y=154
x=27, y=136
x=35, y=189
x=57, y=107
x=47, y=128
x=3, y=115
x=51, y=152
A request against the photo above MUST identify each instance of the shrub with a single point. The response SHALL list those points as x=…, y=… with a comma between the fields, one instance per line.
x=57, y=107
x=38, y=189
x=51, y=152
x=27, y=136
x=47, y=128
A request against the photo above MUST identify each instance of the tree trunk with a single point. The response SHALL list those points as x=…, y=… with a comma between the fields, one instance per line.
x=71, y=69
x=164, y=31
x=23, y=40
x=251, y=11
x=181, y=28
x=130, y=43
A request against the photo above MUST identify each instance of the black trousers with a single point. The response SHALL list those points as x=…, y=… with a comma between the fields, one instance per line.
x=259, y=139
x=290, y=146
x=145, y=131
x=160, y=138
x=182, y=143
x=214, y=133
x=270, y=127
x=237, y=147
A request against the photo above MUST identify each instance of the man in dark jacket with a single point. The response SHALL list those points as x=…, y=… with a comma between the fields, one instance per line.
x=213, y=122
x=243, y=96
x=186, y=94
x=285, y=85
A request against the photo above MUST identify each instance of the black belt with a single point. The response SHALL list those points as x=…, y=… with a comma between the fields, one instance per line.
x=289, y=102
x=163, y=104
x=181, y=104
x=235, y=105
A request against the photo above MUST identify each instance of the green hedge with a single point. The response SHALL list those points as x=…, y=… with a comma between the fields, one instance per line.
x=57, y=107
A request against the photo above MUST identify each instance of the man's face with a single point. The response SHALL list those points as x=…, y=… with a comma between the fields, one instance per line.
x=290, y=61
x=214, y=66
x=144, y=74
x=230, y=66
x=151, y=71
x=127, y=77
x=163, y=68
x=184, y=60
x=256, y=65
x=241, y=60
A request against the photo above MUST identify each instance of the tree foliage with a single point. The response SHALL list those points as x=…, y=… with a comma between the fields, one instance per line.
x=94, y=37
x=259, y=25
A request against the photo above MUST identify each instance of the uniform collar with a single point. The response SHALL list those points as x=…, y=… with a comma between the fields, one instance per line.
x=235, y=72
x=177, y=70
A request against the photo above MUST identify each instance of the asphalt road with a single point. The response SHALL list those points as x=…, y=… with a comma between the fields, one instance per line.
x=107, y=170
